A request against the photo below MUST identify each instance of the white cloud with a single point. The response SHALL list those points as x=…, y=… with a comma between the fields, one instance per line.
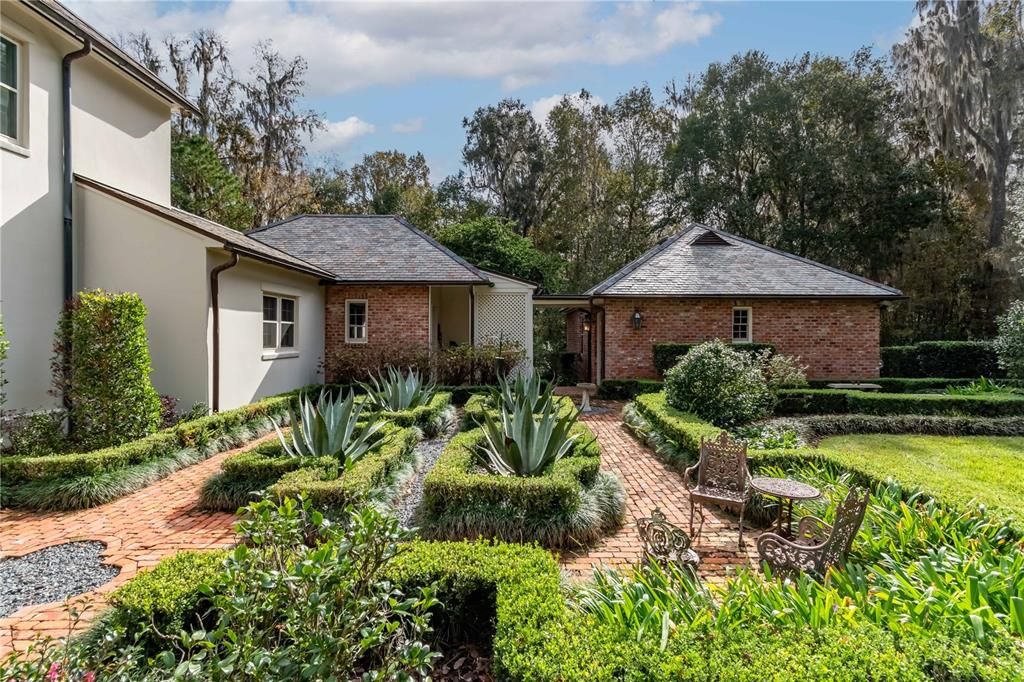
x=339, y=135
x=355, y=45
x=408, y=127
x=541, y=108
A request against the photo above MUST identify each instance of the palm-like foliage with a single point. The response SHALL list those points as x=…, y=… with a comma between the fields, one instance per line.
x=529, y=391
x=519, y=442
x=396, y=391
x=329, y=427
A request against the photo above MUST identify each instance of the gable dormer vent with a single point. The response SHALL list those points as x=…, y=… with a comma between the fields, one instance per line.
x=710, y=238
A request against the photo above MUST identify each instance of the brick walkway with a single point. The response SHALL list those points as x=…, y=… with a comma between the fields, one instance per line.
x=139, y=530
x=649, y=483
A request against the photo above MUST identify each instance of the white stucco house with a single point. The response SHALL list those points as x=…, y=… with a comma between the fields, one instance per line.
x=232, y=317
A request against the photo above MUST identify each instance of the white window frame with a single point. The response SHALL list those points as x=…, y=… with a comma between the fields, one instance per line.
x=750, y=324
x=279, y=351
x=19, y=143
x=366, y=321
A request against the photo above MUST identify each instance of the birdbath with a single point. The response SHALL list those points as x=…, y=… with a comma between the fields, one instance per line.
x=585, y=400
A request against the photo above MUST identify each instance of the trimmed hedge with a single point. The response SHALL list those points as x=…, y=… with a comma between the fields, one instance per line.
x=423, y=417
x=821, y=426
x=573, y=503
x=666, y=355
x=954, y=359
x=267, y=467
x=683, y=430
x=835, y=401
x=627, y=389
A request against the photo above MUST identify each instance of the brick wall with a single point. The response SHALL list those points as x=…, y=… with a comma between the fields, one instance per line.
x=397, y=317
x=837, y=339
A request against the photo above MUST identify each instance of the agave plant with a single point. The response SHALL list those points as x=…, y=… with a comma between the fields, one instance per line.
x=329, y=427
x=529, y=391
x=396, y=391
x=520, y=443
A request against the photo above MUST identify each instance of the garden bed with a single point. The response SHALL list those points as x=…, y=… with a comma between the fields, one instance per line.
x=835, y=401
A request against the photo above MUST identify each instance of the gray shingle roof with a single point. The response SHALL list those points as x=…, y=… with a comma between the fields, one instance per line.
x=232, y=239
x=740, y=268
x=368, y=248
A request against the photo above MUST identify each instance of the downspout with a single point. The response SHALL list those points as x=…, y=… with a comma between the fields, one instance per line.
x=69, y=284
x=215, y=303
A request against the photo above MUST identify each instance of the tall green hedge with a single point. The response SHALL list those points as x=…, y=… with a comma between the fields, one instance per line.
x=836, y=401
x=103, y=367
x=666, y=355
x=950, y=359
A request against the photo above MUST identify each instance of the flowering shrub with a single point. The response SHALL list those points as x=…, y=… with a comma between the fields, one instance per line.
x=719, y=384
x=1009, y=344
x=782, y=371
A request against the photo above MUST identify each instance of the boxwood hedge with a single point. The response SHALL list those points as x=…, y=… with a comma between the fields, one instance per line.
x=954, y=359
x=836, y=401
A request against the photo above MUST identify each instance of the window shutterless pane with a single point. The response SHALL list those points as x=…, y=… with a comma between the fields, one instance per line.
x=356, y=313
x=287, y=310
x=287, y=335
x=270, y=309
x=270, y=334
x=8, y=113
x=8, y=63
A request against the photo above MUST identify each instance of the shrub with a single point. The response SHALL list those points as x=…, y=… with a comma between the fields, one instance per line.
x=466, y=364
x=627, y=389
x=37, y=433
x=817, y=427
x=717, y=383
x=675, y=436
x=952, y=359
x=981, y=386
x=103, y=367
x=668, y=355
x=1009, y=344
x=5, y=345
x=782, y=371
x=834, y=401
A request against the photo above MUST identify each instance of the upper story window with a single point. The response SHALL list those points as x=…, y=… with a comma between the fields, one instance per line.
x=741, y=325
x=10, y=88
x=355, y=321
x=278, y=323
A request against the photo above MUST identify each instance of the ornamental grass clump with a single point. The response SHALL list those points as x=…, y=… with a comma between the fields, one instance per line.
x=719, y=384
x=396, y=391
x=330, y=427
x=527, y=435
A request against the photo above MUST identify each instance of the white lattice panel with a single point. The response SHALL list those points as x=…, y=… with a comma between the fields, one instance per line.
x=502, y=316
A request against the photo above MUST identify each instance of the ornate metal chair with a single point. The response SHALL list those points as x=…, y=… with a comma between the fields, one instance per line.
x=719, y=477
x=817, y=545
x=666, y=543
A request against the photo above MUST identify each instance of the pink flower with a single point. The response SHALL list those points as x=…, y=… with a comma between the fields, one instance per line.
x=54, y=673
x=89, y=677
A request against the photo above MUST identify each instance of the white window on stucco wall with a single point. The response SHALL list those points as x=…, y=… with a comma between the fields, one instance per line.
x=10, y=89
x=742, y=325
x=355, y=321
x=279, y=317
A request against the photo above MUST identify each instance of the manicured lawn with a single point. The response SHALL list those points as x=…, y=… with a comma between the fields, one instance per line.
x=958, y=469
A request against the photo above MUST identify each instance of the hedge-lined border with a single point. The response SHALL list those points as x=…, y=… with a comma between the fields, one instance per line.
x=792, y=401
x=425, y=417
x=572, y=504
x=969, y=359
x=267, y=467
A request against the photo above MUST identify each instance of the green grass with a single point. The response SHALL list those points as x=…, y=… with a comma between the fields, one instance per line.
x=985, y=469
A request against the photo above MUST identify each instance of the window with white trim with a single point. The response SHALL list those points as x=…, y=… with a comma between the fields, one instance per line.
x=279, y=323
x=10, y=88
x=741, y=325
x=355, y=321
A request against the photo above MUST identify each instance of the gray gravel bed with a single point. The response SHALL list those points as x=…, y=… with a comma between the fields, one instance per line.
x=428, y=451
x=52, y=574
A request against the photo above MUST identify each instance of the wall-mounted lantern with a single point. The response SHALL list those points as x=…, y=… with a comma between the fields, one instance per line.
x=638, y=319
x=586, y=323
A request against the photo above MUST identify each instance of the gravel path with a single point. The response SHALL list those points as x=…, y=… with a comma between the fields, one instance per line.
x=52, y=574
x=427, y=451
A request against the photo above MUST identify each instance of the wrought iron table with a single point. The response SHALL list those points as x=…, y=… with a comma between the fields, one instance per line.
x=786, y=490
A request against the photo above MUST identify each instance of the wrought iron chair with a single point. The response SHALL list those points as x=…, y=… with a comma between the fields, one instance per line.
x=666, y=543
x=817, y=545
x=720, y=477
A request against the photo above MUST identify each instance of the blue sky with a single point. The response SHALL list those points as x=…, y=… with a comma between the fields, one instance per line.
x=391, y=75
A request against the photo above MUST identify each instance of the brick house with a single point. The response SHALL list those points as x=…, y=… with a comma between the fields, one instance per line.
x=393, y=289
x=704, y=284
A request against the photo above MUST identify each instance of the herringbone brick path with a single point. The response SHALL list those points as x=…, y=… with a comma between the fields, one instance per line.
x=649, y=483
x=139, y=530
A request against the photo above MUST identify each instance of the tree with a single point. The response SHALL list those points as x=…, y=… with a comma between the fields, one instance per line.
x=505, y=156
x=140, y=45
x=202, y=184
x=493, y=244
x=391, y=182
x=963, y=70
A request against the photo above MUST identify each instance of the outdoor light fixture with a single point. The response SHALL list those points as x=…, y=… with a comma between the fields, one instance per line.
x=638, y=319
x=586, y=323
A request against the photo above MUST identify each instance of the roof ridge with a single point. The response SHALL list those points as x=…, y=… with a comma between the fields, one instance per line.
x=262, y=228
x=633, y=265
x=808, y=261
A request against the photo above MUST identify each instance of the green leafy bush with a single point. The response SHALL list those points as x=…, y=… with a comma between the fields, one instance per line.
x=981, y=386
x=938, y=425
x=627, y=389
x=674, y=435
x=431, y=417
x=668, y=355
x=103, y=369
x=1009, y=344
x=782, y=371
x=468, y=364
x=37, y=433
x=718, y=383
x=951, y=359
x=330, y=427
x=835, y=401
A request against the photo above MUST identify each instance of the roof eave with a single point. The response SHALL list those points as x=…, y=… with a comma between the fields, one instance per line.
x=881, y=296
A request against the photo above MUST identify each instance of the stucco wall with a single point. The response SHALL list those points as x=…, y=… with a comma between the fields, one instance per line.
x=247, y=372
x=121, y=137
x=123, y=248
x=837, y=339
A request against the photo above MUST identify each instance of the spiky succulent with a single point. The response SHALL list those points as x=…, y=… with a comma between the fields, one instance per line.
x=329, y=427
x=529, y=391
x=397, y=391
x=520, y=442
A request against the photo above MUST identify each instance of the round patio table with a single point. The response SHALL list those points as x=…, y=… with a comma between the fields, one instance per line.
x=786, y=490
